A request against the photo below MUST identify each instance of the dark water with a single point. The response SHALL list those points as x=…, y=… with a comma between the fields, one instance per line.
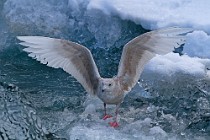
x=38, y=102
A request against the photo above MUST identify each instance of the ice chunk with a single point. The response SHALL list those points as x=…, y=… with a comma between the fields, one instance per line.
x=90, y=113
x=90, y=109
x=96, y=132
x=93, y=100
x=156, y=130
x=203, y=103
x=198, y=44
x=173, y=63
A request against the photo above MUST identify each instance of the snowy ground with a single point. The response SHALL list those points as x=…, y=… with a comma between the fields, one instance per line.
x=171, y=100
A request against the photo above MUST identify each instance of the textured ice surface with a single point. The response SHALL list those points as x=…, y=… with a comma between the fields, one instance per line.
x=133, y=131
x=17, y=119
x=32, y=15
x=170, y=101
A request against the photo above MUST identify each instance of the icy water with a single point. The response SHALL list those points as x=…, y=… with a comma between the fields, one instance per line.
x=38, y=102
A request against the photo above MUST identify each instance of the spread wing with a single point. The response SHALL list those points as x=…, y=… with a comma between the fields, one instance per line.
x=73, y=58
x=141, y=49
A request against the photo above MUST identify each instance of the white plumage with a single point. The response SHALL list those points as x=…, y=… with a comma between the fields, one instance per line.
x=77, y=60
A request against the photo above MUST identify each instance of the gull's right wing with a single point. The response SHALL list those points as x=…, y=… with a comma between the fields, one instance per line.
x=73, y=58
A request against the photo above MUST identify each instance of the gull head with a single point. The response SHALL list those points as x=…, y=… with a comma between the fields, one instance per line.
x=108, y=85
x=109, y=91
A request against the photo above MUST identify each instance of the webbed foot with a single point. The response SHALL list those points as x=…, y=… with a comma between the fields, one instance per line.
x=106, y=117
x=114, y=124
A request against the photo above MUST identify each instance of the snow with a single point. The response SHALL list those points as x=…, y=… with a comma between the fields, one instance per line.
x=157, y=14
x=198, y=44
x=172, y=63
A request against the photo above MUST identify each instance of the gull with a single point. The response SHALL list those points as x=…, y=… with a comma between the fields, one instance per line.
x=78, y=61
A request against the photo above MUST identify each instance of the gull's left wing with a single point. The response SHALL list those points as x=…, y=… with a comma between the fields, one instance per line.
x=141, y=49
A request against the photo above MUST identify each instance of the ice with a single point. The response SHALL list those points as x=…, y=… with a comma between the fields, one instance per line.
x=96, y=132
x=170, y=101
x=82, y=19
x=64, y=19
x=203, y=103
x=135, y=131
x=90, y=109
x=21, y=13
x=157, y=14
x=156, y=130
x=172, y=63
x=17, y=120
x=198, y=44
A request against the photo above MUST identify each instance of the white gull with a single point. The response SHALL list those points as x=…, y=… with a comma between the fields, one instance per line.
x=77, y=60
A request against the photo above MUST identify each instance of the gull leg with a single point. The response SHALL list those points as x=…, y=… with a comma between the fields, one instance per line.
x=115, y=123
x=106, y=116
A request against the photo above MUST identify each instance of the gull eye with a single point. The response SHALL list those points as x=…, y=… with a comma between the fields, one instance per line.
x=102, y=90
x=110, y=84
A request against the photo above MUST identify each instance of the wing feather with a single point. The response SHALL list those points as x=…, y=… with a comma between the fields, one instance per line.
x=73, y=58
x=137, y=52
